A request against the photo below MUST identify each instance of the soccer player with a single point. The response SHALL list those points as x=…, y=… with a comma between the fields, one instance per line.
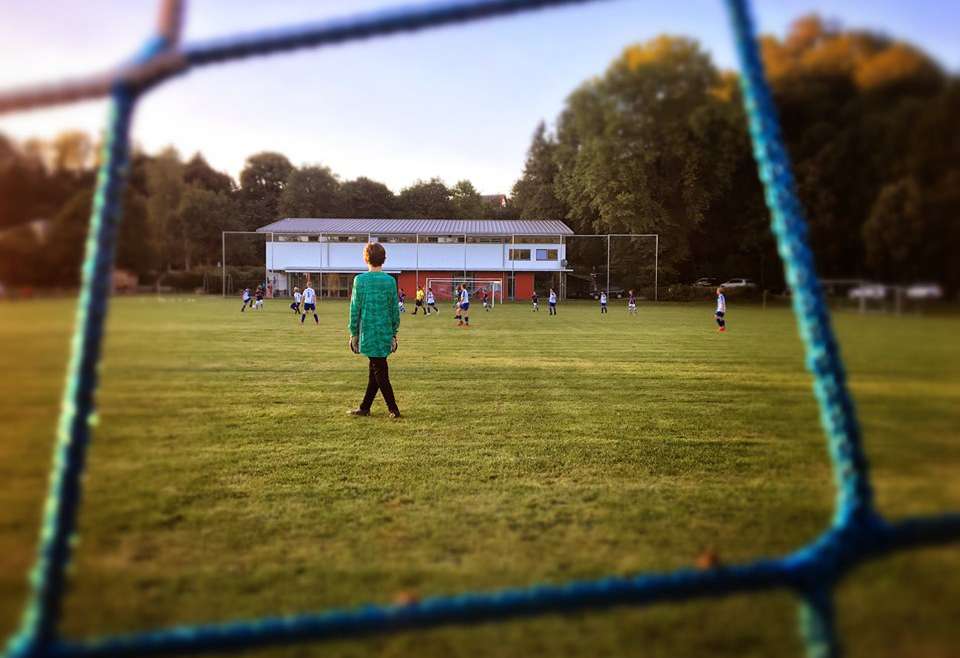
x=463, y=307
x=483, y=297
x=536, y=301
x=297, y=298
x=258, y=296
x=552, y=301
x=309, y=304
x=418, y=304
x=603, y=302
x=431, y=302
x=400, y=297
x=721, y=311
x=374, y=300
x=245, y=296
x=632, y=303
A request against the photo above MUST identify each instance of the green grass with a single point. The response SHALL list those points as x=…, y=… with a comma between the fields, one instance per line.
x=225, y=480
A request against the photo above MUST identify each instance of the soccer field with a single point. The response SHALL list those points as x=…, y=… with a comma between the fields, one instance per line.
x=226, y=481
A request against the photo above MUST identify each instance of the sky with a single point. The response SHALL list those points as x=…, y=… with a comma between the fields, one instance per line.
x=458, y=102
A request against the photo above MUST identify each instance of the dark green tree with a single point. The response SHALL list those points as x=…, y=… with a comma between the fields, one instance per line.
x=310, y=192
x=427, y=200
x=261, y=186
x=467, y=202
x=534, y=194
x=366, y=198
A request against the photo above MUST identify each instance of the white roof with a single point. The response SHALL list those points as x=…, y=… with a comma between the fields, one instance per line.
x=417, y=226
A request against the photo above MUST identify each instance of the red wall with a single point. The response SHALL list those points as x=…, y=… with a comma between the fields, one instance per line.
x=523, y=285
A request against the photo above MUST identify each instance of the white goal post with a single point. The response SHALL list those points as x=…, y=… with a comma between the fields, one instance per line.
x=473, y=283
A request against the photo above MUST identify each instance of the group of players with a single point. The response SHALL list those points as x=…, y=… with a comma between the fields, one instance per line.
x=552, y=302
x=425, y=300
x=254, y=301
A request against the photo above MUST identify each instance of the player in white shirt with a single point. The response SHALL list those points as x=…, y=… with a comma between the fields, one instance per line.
x=431, y=302
x=297, y=298
x=603, y=302
x=463, y=307
x=552, y=301
x=246, y=300
x=309, y=304
x=721, y=311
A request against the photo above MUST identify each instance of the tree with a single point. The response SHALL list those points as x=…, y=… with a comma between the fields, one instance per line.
x=467, y=202
x=166, y=187
x=68, y=233
x=204, y=214
x=310, y=192
x=636, y=151
x=534, y=194
x=197, y=172
x=427, y=200
x=366, y=198
x=261, y=184
x=72, y=152
x=20, y=251
x=135, y=246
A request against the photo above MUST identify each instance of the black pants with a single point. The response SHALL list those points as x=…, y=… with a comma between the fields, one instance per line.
x=379, y=379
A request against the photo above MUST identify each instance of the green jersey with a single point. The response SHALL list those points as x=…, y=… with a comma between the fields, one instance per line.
x=374, y=314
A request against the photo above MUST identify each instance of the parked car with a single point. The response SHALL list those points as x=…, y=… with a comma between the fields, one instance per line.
x=924, y=291
x=613, y=291
x=739, y=283
x=706, y=282
x=868, y=291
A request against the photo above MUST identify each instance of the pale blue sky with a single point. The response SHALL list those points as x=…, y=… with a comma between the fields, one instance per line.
x=458, y=102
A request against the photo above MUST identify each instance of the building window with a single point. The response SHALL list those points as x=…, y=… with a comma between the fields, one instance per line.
x=442, y=239
x=346, y=238
x=537, y=239
x=519, y=254
x=394, y=239
x=547, y=254
x=488, y=239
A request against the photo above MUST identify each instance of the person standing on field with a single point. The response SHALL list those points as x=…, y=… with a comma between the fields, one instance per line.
x=418, y=303
x=309, y=304
x=721, y=311
x=463, y=307
x=297, y=298
x=374, y=322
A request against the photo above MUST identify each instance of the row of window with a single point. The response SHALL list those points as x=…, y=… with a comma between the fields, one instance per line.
x=541, y=254
x=425, y=239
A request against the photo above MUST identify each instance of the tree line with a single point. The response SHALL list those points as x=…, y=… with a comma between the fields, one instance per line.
x=659, y=144
x=174, y=210
x=656, y=144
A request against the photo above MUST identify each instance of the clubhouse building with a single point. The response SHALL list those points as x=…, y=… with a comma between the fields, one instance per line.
x=329, y=253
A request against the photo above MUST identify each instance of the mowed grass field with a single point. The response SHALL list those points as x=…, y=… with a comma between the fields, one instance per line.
x=225, y=480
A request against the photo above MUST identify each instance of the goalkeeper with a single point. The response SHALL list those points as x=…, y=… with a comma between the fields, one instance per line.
x=374, y=321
